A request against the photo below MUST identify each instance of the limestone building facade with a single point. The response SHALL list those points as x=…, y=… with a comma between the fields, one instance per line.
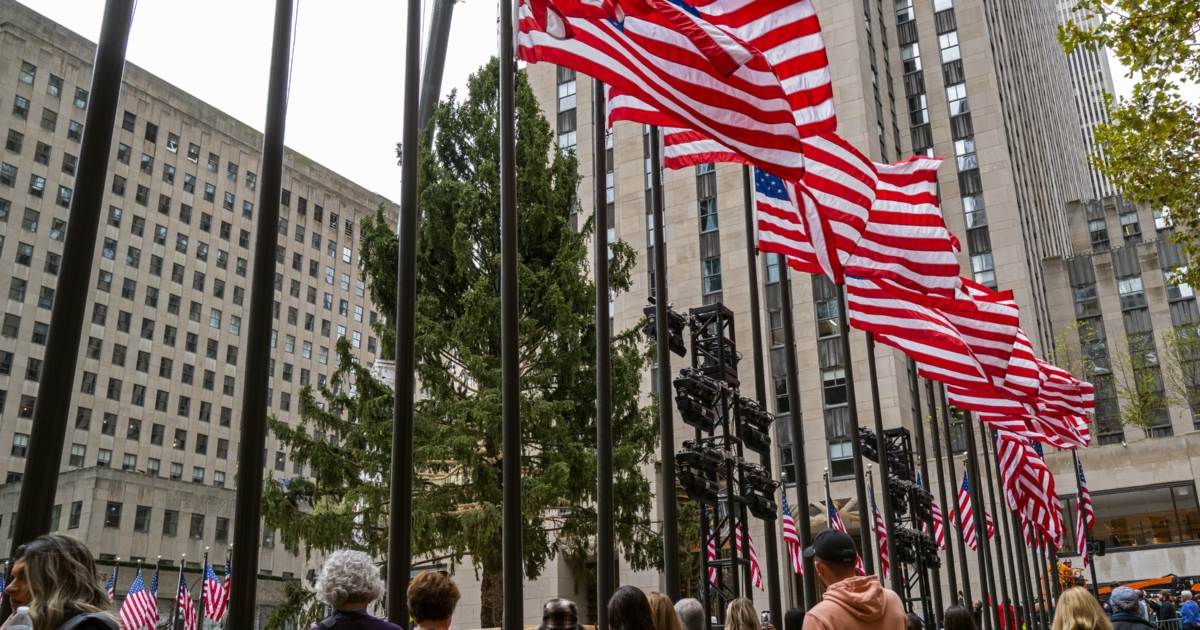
x=150, y=456
x=1091, y=79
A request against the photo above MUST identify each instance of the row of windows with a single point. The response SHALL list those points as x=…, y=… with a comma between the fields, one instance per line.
x=114, y=513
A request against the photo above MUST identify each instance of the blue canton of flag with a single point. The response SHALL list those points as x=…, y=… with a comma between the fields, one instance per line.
x=154, y=584
x=112, y=586
x=769, y=185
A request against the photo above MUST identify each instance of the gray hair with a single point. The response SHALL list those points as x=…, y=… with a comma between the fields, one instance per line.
x=1185, y=595
x=349, y=577
x=691, y=613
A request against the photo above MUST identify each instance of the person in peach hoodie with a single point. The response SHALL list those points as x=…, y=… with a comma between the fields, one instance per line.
x=851, y=602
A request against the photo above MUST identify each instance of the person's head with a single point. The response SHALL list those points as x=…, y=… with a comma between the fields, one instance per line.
x=662, y=611
x=432, y=597
x=1078, y=610
x=977, y=605
x=740, y=615
x=559, y=614
x=1114, y=585
x=914, y=622
x=691, y=613
x=1067, y=562
x=349, y=580
x=629, y=609
x=1124, y=600
x=793, y=619
x=958, y=618
x=833, y=553
x=1185, y=596
x=62, y=576
x=18, y=586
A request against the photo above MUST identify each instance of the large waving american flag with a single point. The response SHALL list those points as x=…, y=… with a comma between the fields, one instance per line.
x=746, y=111
x=1028, y=485
x=213, y=594
x=834, y=521
x=791, y=538
x=187, y=607
x=139, y=609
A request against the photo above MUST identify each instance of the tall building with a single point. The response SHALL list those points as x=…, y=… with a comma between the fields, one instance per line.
x=150, y=456
x=983, y=84
x=1091, y=79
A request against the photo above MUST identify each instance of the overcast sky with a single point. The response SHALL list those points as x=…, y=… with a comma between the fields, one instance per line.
x=348, y=69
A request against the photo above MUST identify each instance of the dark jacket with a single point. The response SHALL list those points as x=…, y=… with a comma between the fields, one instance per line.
x=360, y=620
x=90, y=622
x=1130, y=621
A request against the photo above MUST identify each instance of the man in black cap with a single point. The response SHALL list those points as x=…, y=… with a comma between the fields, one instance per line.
x=852, y=602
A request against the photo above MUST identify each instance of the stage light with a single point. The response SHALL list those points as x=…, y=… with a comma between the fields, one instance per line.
x=694, y=383
x=696, y=397
x=675, y=325
x=697, y=462
x=700, y=457
x=762, y=507
x=753, y=439
x=698, y=488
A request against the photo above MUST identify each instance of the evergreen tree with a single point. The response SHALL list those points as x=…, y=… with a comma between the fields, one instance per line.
x=346, y=439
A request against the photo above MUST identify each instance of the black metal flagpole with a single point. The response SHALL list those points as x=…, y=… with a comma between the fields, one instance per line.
x=796, y=427
x=923, y=462
x=1023, y=572
x=605, y=557
x=51, y=411
x=774, y=603
x=256, y=382
x=1001, y=537
x=666, y=419
x=935, y=441
x=878, y=551
x=860, y=485
x=510, y=359
x=885, y=482
x=962, y=546
x=399, y=566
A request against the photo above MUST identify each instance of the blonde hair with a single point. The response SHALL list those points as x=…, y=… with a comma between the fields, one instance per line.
x=1078, y=610
x=663, y=612
x=740, y=615
x=62, y=579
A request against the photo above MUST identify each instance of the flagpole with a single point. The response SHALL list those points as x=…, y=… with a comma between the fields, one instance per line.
x=958, y=522
x=175, y=608
x=666, y=421
x=860, y=486
x=116, y=573
x=923, y=463
x=1023, y=572
x=881, y=446
x=796, y=429
x=605, y=557
x=935, y=440
x=203, y=582
x=878, y=547
x=987, y=582
x=1001, y=537
x=760, y=393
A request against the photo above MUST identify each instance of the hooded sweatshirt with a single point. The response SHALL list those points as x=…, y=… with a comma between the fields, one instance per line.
x=857, y=603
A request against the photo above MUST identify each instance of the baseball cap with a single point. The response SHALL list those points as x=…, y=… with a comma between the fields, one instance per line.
x=1123, y=595
x=832, y=546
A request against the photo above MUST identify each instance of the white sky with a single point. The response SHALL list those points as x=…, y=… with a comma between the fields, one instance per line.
x=346, y=97
x=345, y=108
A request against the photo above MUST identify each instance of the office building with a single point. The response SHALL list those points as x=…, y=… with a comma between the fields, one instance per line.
x=150, y=456
x=1091, y=79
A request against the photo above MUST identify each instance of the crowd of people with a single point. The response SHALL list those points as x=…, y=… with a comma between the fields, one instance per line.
x=55, y=582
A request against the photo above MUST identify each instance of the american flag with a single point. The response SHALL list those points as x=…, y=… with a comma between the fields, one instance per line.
x=1085, y=517
x=834, y=520
x=885, y=560
x=213, y=595
x=226, y=590
x=1028, y=484
x=968, y=515
x=139, y=609
x=790, y=537
x=755, y=570
x=748, y=111
x=781, y=228
x=906, y=240
x=939, y=526
x=712, y=556
x=111, y=588
x=187, y=607
x=154, y=584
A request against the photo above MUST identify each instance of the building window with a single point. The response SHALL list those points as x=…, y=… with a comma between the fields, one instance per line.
x=833, y=383
x=76, y=514
x=1140, y=517
x=78, y=455
x=711, y=275
x=170, y=520
x=566, y=108
x=20, y=444
x=141, y=520
x=841, y=459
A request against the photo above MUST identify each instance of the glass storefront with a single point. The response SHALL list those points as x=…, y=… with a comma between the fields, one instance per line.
x=1137, y=517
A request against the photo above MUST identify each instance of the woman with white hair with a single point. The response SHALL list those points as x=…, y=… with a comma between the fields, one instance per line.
x=349, y=582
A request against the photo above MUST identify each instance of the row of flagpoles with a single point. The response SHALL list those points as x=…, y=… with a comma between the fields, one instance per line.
x=139, y=608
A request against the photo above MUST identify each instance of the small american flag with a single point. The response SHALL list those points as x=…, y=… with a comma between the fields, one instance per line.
x=139, y=609
x=187, y=607
x=225, y=591
x=790, y=537
x=885, y=560
x=112, y=585
x=967, y=514
x=214, y=595
x=755, y=569
x=1085, y=518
